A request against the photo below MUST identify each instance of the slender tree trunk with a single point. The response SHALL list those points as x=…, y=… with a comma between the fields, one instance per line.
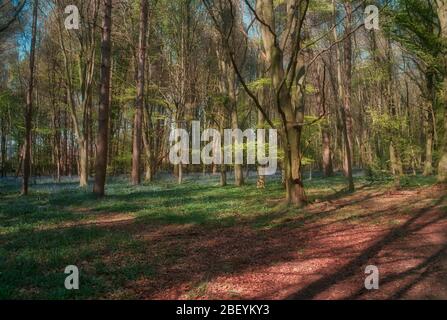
x=325, y=132
x=104, y=101
x=238, y=173
x=29, y=105
x=180, y=173
x=223, y=167
x=83, y=162
x=429, y=132
x=347, y=98
x=3, y=148
x=261, y=125
x=395, y=159
x=327, y=153
x=56, y=145
x=344, y=92
x=136, y=177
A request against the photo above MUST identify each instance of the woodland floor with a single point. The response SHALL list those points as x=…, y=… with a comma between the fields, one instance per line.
x=201, y=241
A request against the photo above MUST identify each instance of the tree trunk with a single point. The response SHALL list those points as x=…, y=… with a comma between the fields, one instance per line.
x=261, y=125
x=292, y=114
x=325, y=130
x=104, y=101
x=442, y=168
x=147, y=144
x=348, y=122
x=136, y=177
x=180, y=173
x=83, y=162
x=327, y=153
x=56, y=144
x=29, y=105
x=428, y=165
x=223, y=167
x=344, y=92
x=3, y=148
x=238, y=173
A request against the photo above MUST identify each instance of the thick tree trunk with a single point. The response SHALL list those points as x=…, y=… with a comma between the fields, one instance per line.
x=29, y=105
x=295, y=186
x=292, y=114
x=136, y=177
x=442, y=168
x=104, y=101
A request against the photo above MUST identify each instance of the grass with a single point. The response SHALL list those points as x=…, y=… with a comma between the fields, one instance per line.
x=60, y=225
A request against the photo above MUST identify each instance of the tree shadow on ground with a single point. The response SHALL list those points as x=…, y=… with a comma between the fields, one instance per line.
x=145, y=259
x=412, y=225
x=239, y=250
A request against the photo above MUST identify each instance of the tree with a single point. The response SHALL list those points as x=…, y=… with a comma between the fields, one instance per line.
x=104, y=100
x=287, y=74
x=441, y=6
x=78, y=50
x=344, y=89
x=29, y=104
x=136, y=177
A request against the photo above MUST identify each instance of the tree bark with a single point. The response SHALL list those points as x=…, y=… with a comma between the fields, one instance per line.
x=136, y=154
x=29, y=105
x=344, y=90
x=291, y=112
x=261, y=125
x=442, y=167
x=327, y=153
x=148, y=149
x=347, y=115
x=104, y=101
x=3, y=148
x=83, y=162
x=429, y=132
x=238, y=173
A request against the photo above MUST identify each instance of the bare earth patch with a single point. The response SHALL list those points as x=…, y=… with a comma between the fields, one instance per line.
x=93, y=219
x=321, y=253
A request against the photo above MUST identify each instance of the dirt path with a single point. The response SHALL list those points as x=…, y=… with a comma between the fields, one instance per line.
x=403, y=233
